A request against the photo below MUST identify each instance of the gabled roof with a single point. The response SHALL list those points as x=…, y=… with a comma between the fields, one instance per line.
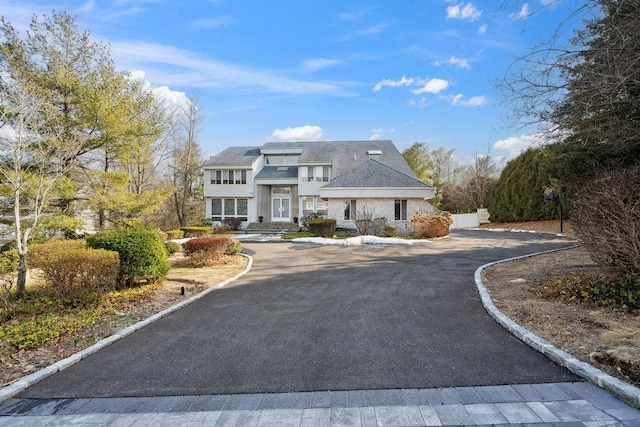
x=278, y=172
x=234, y=156
x=374, y=174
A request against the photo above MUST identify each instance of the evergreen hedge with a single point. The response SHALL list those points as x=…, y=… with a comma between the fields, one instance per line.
x=518, y=194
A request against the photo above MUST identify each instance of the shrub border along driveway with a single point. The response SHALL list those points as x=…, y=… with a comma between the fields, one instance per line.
x=618, y=388
x=29, y=380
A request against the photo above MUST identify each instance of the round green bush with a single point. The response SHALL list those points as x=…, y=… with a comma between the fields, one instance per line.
x=172, y=247
x=143, y=255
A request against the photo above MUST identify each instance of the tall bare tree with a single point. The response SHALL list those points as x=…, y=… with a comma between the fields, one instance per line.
x=186, y=161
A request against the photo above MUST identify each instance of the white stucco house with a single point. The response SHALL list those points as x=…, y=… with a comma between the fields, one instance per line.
x=283, y=181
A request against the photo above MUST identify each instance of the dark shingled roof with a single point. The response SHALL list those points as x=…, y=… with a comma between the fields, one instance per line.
x=347, y=155
x=272, y=172
x=373, y=173
x=235, y=156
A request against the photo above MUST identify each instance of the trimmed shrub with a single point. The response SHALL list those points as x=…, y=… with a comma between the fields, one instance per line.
x=304, y=221
x=196, y=231
x=324, y=227
x=232, y=223
x=74, y=272
x=142, y=254
x=206, y=250
x=390, y=231
x=174, y=234
x=233, y=248
x=431, y=225
x=172, y=247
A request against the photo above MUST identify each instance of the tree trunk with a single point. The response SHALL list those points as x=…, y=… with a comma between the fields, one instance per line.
x=21, y=284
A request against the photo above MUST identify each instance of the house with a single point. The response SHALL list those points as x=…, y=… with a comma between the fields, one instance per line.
x=283, y=181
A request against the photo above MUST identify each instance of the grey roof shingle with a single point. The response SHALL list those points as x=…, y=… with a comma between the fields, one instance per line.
x=272, y=172
x=347, y=155
x=374, y=174
x=235, y=156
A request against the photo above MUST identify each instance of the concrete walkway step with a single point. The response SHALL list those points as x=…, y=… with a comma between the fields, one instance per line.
x=575, y=404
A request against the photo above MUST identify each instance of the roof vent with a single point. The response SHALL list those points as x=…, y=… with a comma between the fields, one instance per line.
x=374, y=152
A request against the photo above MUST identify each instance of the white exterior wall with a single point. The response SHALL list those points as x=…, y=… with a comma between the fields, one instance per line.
x=378, y=208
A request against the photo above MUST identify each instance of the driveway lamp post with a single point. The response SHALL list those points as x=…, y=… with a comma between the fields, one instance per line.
x=548, y=197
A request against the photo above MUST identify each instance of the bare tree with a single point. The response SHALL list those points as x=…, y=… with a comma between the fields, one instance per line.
x=186, y=159
x=34, y=159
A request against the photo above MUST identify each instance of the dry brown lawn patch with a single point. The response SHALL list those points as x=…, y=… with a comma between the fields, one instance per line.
x=607, y=338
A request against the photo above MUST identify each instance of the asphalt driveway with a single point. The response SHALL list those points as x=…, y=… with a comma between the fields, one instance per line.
x=310, y=318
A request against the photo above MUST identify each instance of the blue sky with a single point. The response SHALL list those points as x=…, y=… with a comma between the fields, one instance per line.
x=333, y=70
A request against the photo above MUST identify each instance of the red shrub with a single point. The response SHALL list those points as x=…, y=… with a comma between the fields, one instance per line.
x=206, y=250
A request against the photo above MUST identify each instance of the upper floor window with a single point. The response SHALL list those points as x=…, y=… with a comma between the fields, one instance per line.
x=229, y=176
x=325, y=174
x=310, y=172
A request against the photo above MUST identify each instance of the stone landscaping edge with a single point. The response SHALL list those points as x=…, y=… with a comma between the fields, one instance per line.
x=21, y=384
x=615, y=386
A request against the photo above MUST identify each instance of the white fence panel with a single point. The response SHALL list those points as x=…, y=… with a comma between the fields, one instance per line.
x=464, y=221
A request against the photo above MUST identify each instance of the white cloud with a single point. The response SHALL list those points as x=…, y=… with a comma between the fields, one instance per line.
x=176, y=67
x=214, y=22
x=482, y=29
x=378, y=133
x=475, y=101
x=369, y=31
x=316, y=64
x=517, y=144
x=523, y=13
x=300, y=133
x=170, y=99
x=422, y=102
x=404, y=81
x=432, y=86
x=461, y=63
x=463, y=11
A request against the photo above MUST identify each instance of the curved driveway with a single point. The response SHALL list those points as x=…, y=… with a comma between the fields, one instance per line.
x=310, y=317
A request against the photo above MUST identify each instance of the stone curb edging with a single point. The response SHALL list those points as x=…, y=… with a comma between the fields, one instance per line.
x=618, y=388
x=31, y=379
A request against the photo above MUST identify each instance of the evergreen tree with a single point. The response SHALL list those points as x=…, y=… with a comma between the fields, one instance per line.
x=518, y=195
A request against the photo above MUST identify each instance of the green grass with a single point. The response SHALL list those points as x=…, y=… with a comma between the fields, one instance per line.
x=40, y=317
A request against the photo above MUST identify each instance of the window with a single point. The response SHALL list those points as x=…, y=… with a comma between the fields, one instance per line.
x=242, y=209
x=350, y=210
x=216, y=209
x=401, y=210
x=225, y=208
x=240, y=175
x=216, y=177
x=307, y=205
x=229, y=177
x=322, y=207
x=310, y=171
x=325, y=174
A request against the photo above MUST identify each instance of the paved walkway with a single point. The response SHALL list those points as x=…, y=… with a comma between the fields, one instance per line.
x=571, y=404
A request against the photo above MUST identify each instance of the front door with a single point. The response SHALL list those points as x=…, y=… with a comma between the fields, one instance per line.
x=281, y=204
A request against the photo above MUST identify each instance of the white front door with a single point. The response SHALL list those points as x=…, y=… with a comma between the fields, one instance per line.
x=281, y=204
